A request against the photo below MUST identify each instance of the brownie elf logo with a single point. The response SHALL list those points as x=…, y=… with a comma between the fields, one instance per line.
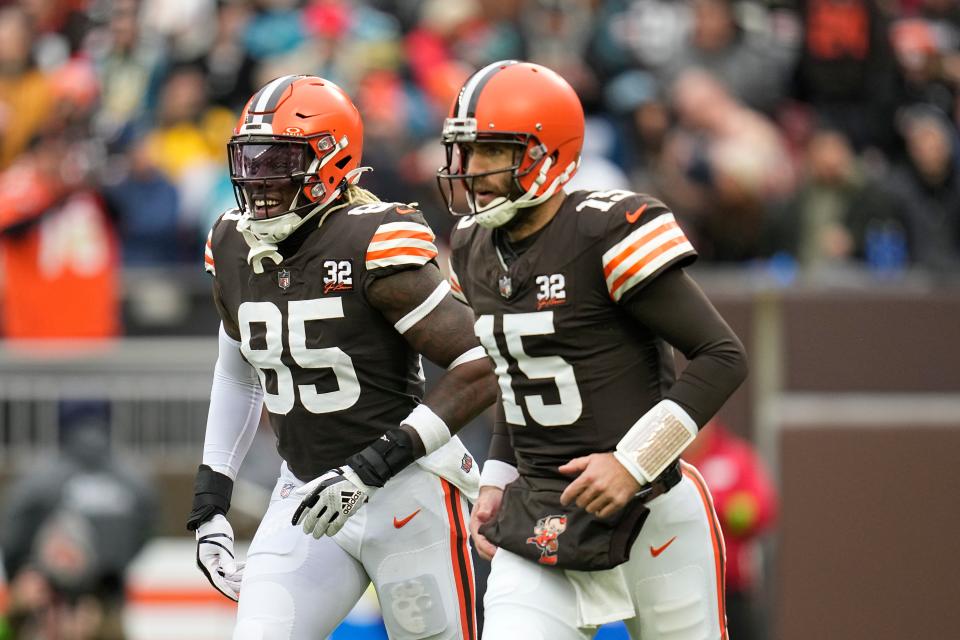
x=547, y=531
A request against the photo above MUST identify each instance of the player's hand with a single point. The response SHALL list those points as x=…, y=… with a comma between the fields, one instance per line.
x=215, y=556
x=602, y=487
x=329, y=500
x=484, y=510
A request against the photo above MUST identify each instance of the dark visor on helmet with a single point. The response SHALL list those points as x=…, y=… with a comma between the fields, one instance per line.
x=265, y=161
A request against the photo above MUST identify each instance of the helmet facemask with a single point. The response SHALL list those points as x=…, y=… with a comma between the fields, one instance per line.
x=278, y=181
x=457, y=185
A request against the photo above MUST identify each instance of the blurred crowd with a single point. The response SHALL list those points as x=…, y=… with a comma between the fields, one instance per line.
x=811, y=137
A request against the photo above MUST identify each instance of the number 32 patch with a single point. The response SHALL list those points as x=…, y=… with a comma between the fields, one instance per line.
x=337, y=276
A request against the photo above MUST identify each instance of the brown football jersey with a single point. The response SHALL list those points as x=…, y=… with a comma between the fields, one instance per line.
x=575, y=369
x=335, y=373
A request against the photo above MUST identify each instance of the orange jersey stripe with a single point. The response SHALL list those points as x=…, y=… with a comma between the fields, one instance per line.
x=401, y=251
x=464, y=593
x=626, y=275
x=623, y=255
x=394, y=235
x=719, y=550
x=471, y=602
x=208, y=260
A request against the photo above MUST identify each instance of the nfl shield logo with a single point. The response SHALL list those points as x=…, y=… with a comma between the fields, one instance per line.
x=283, y=278
x=466, y=464
x=286, y=489
x=506, y=286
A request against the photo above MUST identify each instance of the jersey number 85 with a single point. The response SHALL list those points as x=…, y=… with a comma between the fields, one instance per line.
x=299, y=312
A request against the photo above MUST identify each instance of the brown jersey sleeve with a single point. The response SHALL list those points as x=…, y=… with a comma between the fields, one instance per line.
x=642, y=240
x=208, y=263
x=674, y=307
x=212, y=247
x=403, y=240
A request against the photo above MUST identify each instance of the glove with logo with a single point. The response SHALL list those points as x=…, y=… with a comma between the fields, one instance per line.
x=215, y=556
x=329, y=500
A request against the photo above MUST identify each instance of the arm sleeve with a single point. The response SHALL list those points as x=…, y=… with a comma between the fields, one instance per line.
x=235, y=402
x=674, y=307
x=501, y=447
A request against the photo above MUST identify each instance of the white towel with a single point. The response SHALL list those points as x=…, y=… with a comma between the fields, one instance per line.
x=454, y=463
x=602, y=596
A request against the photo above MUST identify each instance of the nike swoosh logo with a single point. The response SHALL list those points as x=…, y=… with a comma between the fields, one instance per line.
x=659, y=550
x=633, y=217
x=404, y=210
x=399, y=523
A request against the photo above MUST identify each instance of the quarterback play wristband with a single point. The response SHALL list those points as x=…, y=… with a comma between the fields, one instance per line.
x=655, y=440
x=433, y=431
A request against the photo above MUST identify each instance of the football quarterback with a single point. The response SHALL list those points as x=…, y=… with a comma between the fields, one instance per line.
x=579, y=299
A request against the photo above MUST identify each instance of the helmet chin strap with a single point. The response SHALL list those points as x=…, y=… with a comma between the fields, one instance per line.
x=502, y=210
x=262, y=236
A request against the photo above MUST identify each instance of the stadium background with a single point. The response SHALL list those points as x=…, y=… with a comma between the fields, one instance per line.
x=808, y=148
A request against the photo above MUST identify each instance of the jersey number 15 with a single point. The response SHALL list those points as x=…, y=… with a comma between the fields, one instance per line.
x=555, y=368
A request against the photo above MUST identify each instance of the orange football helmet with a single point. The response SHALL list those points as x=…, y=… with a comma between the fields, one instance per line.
x=518, y=103
x=296, y=147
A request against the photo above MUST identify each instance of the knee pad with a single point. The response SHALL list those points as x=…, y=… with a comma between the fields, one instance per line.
x=413, y=609
x=675, y=605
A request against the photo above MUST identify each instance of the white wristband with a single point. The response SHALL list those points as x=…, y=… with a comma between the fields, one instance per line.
x=497, y=473
x=656, y=440
x=433, y=431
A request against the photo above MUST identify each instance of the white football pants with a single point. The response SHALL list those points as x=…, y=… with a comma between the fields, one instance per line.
x=410, y=539
x=674, y=578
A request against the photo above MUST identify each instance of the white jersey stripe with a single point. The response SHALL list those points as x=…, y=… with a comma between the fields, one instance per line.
x=403, y=226
x=401, y=242
x=650, y=268
x=642, y=252
x=644, y=229
x=397, y=260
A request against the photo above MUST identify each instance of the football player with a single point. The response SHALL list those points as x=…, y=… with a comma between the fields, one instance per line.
x=585, y=509
x=328, y=297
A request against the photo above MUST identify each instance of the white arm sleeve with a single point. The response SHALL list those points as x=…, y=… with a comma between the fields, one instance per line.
x=235, y=402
